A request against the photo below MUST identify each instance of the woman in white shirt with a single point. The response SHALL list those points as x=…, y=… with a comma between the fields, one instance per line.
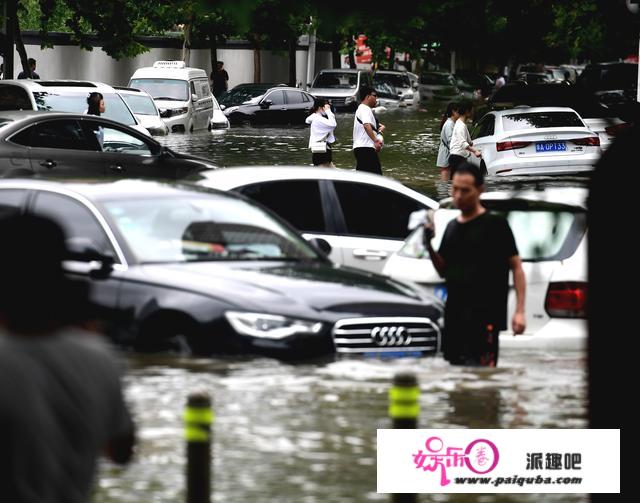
x=461, y=146
x=446, y=129
x=322, y=122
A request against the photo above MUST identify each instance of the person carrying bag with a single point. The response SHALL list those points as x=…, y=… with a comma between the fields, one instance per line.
x=323, y=123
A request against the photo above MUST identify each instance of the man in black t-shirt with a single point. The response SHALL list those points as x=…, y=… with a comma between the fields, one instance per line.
x=219, y=79
x=476, y=254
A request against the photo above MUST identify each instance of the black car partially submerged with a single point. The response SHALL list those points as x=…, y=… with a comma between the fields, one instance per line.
x=60, y=144
x=215, y=273
x=266, y=104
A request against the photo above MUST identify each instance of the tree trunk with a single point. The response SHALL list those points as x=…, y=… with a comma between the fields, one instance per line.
x=213, y=51
x=352, y=53
x=257, y=70
x=22, y=51
x=292, y=61
x=335, y=53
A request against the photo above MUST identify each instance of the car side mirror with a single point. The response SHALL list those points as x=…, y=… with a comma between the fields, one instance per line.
x=266, y=104
x=222, y=107
x=414, y=85
x=85, y=250
x=194, y=97
x=321, y=245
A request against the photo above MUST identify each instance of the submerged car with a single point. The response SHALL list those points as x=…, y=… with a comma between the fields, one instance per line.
x=363, y=216
x=53, y=144
x=65, y=96
x=534, y=141
x=438, y=86
x=342, y=88
x=400, y=83
x=210, y=272
x=600, y=118
x=142, y=105
x=266, y=104
x=550, y=229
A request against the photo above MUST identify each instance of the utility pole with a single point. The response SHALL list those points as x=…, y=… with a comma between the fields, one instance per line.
x=9, y=35
x=634, y=8
x=311, y=55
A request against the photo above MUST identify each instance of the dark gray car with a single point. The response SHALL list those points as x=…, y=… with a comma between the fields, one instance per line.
x=48, y=144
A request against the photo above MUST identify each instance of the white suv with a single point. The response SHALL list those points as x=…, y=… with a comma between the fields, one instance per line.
x=65, y=96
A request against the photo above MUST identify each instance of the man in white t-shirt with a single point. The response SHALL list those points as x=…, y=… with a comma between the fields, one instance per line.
x=367, y=134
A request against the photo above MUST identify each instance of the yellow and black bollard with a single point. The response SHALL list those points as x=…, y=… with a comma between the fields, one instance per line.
x=404, y=409
x=198, y=418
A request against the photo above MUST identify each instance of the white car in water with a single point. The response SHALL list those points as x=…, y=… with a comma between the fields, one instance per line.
x=550, y=229
x=144, y=108
x=534, y=141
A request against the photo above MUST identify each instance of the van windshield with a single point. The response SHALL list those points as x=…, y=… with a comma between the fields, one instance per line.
x=52, y=101
x=163, y=89
x=336, y=80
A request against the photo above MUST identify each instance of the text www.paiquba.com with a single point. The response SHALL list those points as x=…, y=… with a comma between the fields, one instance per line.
x=516, y=480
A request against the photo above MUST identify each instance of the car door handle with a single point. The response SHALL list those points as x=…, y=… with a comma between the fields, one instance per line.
x=48, y=163
x=116, y=168
x=370, y=254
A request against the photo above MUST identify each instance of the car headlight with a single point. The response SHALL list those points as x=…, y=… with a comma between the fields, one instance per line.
x=179, y=111
x=270, y=326
x=230, y=110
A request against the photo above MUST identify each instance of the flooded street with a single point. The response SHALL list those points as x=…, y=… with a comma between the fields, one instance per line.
x=307, y=432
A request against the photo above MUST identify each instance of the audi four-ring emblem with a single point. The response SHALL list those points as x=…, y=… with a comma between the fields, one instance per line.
x=390, y=336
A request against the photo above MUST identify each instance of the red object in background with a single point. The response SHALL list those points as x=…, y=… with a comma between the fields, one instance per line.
x=631, y=58
x=363, y=52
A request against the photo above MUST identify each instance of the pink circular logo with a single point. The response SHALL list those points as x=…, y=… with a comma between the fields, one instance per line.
x=481, y=456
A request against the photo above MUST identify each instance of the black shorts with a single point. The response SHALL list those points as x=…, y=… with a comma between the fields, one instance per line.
x=470, y=342
x=455, y=161
x=367, y=160
x=323, y=158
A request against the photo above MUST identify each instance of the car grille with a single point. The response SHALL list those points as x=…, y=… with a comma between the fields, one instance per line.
x=219, y=125
x=386, y=335
x=336, y=102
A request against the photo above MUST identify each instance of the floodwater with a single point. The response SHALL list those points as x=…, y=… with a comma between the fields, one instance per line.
x=307, y=432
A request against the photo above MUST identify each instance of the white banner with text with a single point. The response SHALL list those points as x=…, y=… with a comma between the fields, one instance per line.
x=499, y=461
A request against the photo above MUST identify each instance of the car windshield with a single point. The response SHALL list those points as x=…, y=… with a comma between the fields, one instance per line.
x=537, y=120
x=238, y=95
x=394, y=80
x=192, y=228
x=163, y=89
x=437, y=79
x=115, y=108
x=541, y=234
x=140, y=104
x=336, y=80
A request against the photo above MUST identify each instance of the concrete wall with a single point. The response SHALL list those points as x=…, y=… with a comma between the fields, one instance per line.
x=71, y=62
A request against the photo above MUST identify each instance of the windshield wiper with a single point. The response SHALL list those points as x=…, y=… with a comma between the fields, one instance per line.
x=170, y=98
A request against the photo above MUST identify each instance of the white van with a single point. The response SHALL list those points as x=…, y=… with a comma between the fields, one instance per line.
x=181, y=93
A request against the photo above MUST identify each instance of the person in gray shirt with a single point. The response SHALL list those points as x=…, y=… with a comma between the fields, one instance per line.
x=61, y=400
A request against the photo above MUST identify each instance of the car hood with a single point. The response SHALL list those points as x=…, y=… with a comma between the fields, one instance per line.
x=302, y=289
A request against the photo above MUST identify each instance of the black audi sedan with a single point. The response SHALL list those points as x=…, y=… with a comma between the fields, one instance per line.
x=60, y=144
x=211, y=272
x=266, y=104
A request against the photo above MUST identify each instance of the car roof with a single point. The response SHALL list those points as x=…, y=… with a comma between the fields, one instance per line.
x=344, y=70
x=99, y=189
x=569, y=196
x=186, y=73
x=523, y=109
x=231, y=178
x=72, y=85
x=19, y=115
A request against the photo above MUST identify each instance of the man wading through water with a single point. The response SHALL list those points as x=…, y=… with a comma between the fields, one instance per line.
x=475, y=256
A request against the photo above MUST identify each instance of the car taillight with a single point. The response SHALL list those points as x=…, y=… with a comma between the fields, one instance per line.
x=566, y=300
x=616, y=129
x=590, y=141
x=511, y=145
